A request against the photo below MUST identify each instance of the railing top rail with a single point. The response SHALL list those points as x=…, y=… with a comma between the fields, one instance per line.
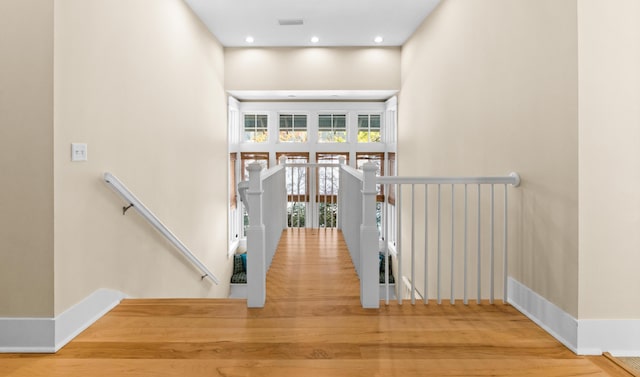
x=312, y=164
x=354, y=172
x=266, y=173
x=512, y=179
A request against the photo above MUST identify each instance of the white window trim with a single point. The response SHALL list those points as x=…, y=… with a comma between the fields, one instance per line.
x=333, y=113
x=241, y=126
x=382, y=126
x=294, y=113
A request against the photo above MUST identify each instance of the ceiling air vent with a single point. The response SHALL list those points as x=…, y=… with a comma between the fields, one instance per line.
x=291, y=22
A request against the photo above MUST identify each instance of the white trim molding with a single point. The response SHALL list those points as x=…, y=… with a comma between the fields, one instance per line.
x=558, y=323
x=48, y=335
x=620, y=337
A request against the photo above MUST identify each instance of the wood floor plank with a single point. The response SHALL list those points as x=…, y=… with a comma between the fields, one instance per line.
x=312, y=325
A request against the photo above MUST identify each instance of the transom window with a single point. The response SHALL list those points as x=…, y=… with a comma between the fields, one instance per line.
x=332, y=128
x=255, y=128
x=369, y=128
x=293, y=128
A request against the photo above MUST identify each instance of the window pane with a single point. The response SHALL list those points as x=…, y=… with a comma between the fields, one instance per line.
x=300, y=122
x=324, y=122
x=293, y=128
x=375, y=122
x=296, y=177
x=255, y=128
x=261, y=122
x=286, y=122
x=327, y=180
x=249, y=122
x=369, y=128
x=332, y=128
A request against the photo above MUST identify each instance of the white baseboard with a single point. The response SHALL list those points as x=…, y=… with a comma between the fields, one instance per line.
x=27, y=335
x=48, y=335
x=238, y=291
x=620, y=337
x=76, y=319
x=558, y=323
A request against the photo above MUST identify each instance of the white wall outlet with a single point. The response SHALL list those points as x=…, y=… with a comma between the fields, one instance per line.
x=78, y=152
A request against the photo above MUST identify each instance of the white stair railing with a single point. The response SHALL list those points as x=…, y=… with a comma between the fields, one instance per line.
x=456, y=230
x=137, y=205
x=357, y=219
x=265, y=198
x=350, y=210
x=312, y=190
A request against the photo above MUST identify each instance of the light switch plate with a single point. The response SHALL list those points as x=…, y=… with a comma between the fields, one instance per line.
x=78, y=152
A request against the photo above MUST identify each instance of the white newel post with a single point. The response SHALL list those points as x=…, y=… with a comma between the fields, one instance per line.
x=369, y=271
x=256, y=260
x=342, y=161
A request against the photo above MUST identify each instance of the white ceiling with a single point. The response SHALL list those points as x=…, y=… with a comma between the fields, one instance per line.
x=334, y=22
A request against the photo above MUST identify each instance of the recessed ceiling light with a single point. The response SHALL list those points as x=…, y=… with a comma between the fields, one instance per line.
x=249, y=39
x=315, y=39
x=378, y=39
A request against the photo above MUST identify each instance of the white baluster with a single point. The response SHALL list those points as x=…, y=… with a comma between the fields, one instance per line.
x=466, y=301
x=491, y=274
x=452, y=241
x=479, y=250
x=399, y=279
x=426, y=245
x=505, y=268
x=413, y=243
x=439, y=244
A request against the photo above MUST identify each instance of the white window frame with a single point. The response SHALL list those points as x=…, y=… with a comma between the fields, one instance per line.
x=293, y=121
x=382, y=125
x=333, y=114
x=243, y=131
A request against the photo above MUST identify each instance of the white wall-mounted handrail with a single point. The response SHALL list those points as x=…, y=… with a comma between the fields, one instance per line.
x=156, y=223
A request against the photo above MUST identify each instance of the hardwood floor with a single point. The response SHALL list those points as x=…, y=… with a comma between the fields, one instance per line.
x=312, y=325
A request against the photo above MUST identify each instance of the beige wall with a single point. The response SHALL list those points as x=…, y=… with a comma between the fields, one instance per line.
x=143, y=86
x=609, y=90
x=346, y=68
x=26, y=149
x=489, y=87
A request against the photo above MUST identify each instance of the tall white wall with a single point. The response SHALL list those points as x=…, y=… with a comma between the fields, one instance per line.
x=489, y=87
x=609, y=91
x=336, y=68
x=143, y=85
x=26, y=151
